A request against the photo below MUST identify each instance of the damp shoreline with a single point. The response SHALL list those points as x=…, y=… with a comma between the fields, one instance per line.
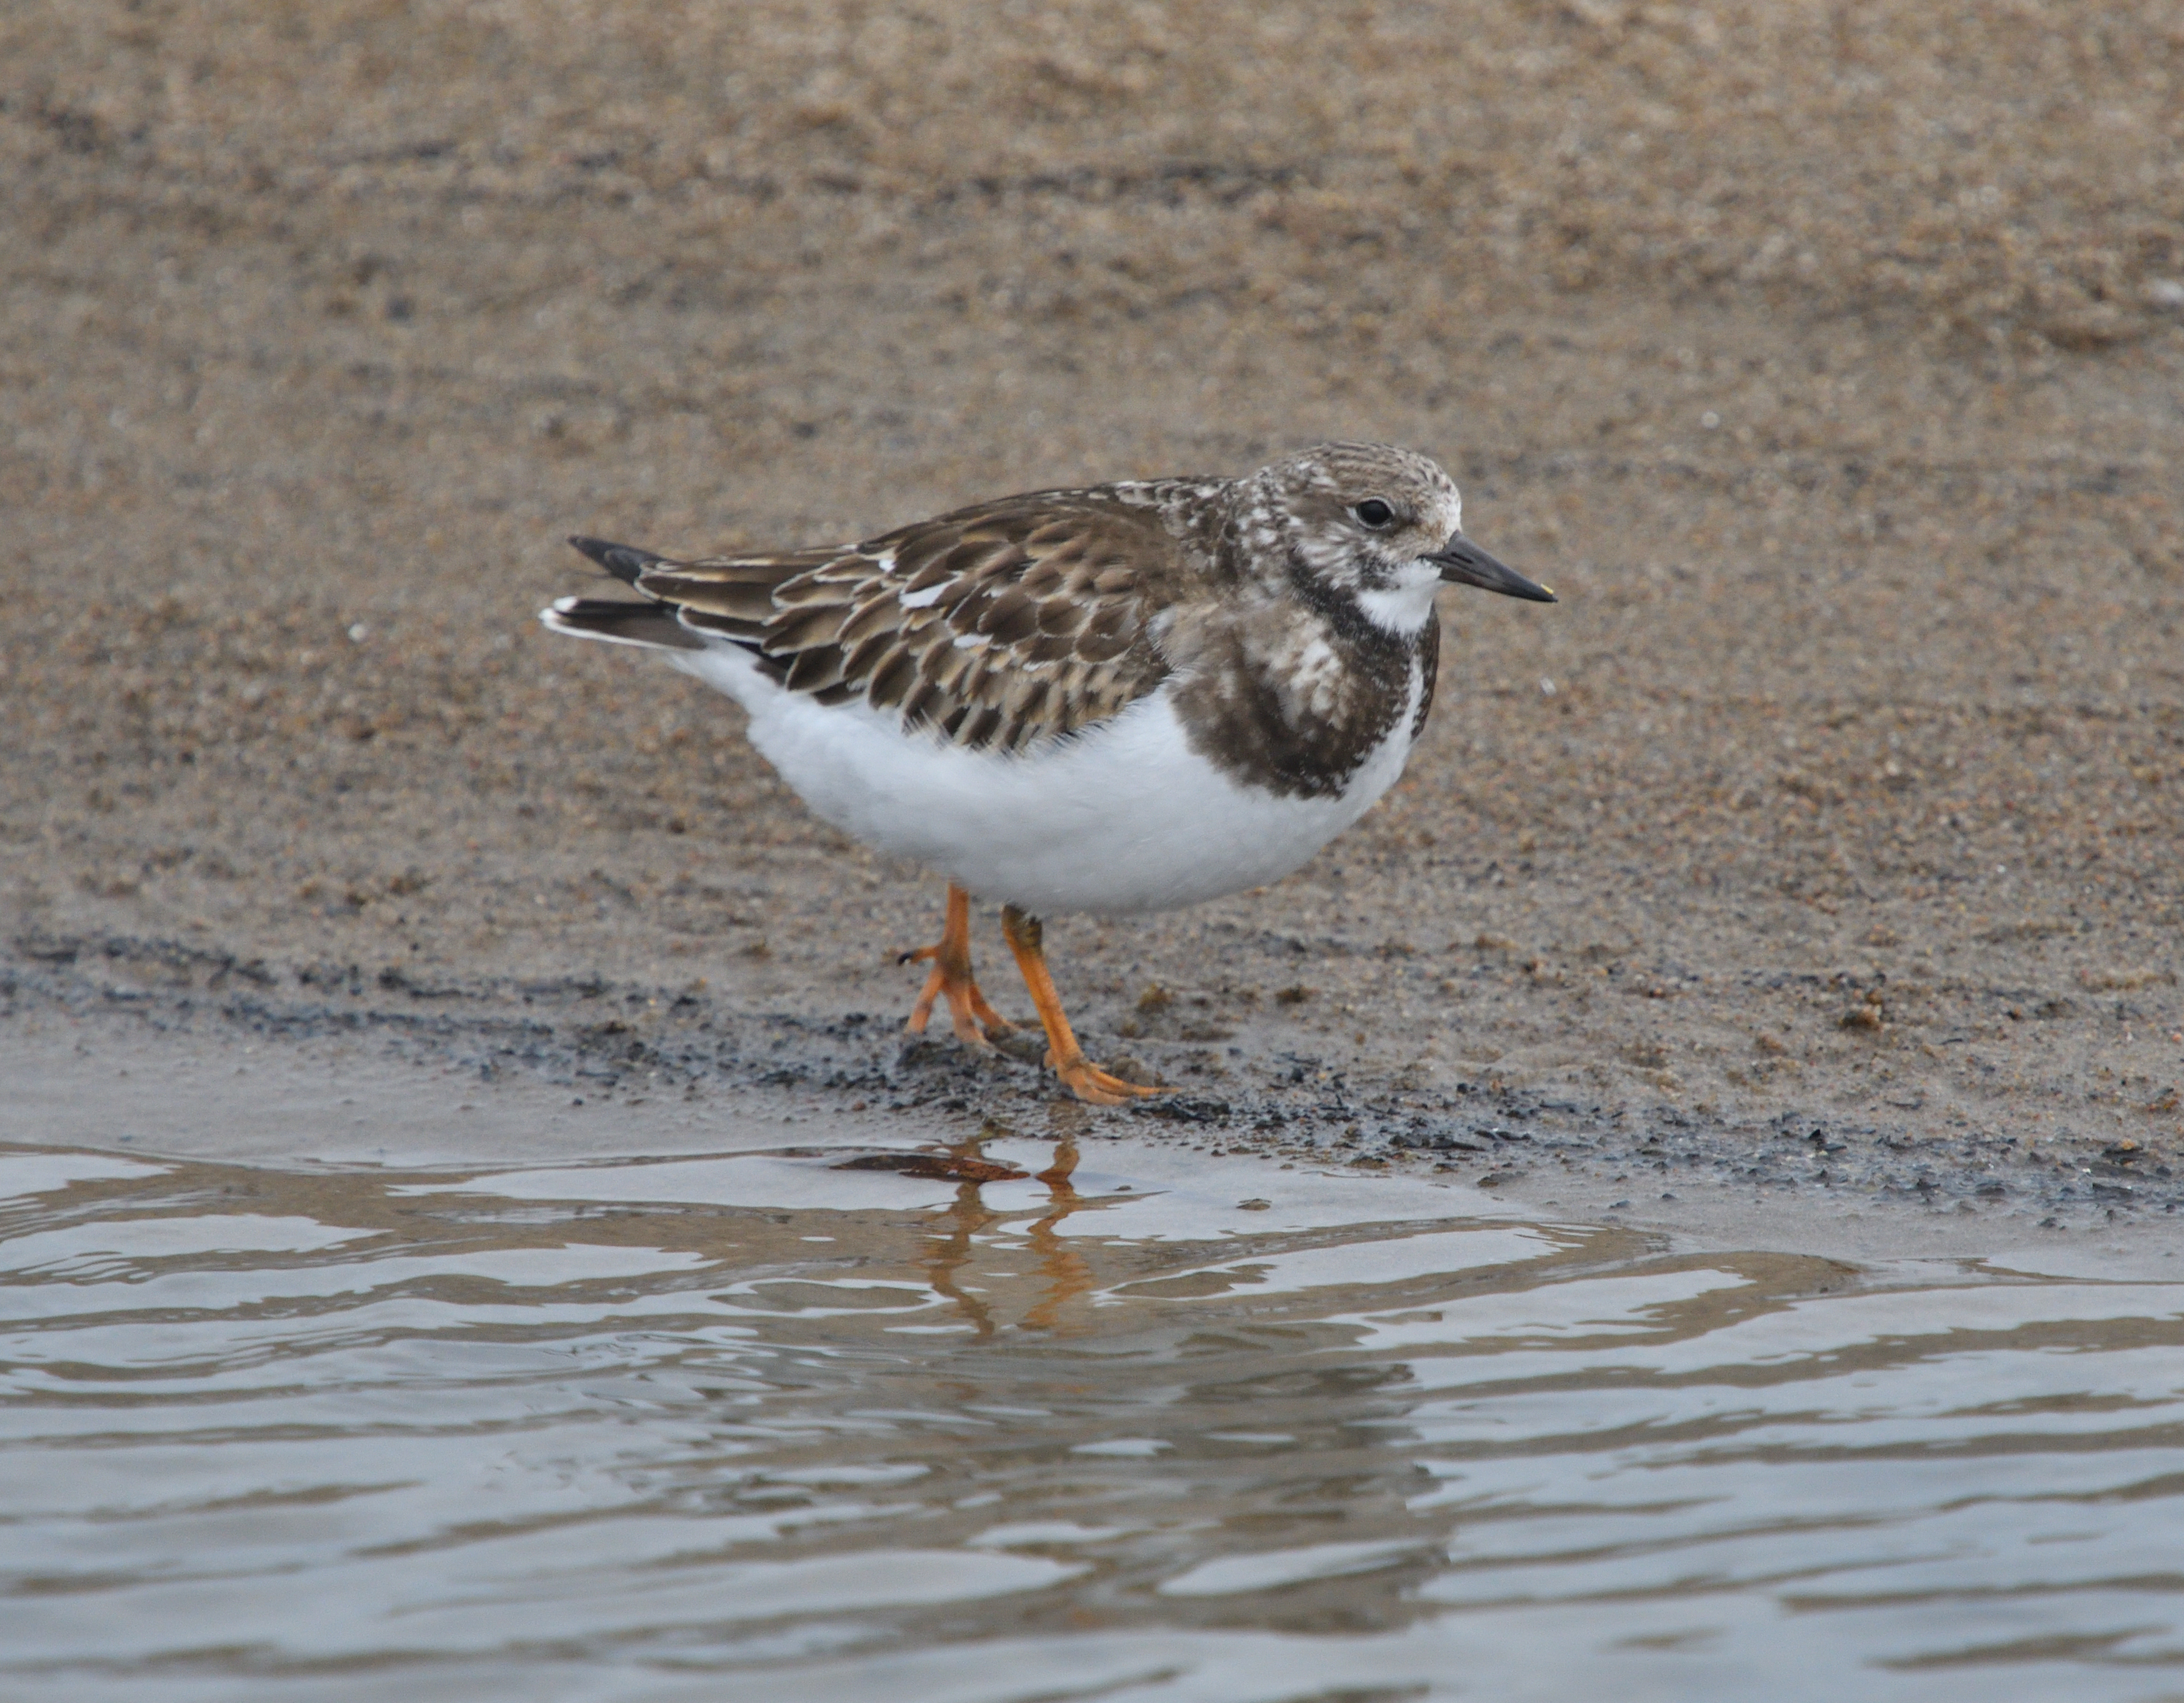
x=567, y=1079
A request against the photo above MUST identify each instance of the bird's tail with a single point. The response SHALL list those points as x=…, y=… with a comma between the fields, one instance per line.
x=625, y=561
x=651, y=626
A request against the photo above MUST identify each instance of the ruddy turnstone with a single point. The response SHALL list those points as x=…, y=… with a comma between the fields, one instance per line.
x=1127, y=698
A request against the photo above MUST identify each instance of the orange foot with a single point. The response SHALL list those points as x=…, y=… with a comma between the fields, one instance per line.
x=968, y=1014
x=1083, y=1078
x=1087, y=1081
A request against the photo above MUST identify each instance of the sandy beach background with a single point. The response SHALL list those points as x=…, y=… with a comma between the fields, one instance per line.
x=1828, y=360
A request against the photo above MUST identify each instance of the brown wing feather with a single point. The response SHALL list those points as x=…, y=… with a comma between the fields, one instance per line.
x=1024, y=619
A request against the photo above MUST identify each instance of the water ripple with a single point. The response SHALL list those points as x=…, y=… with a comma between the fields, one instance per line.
x=750, y=1426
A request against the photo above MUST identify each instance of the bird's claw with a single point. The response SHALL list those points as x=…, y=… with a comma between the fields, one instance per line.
x=1090, y=1083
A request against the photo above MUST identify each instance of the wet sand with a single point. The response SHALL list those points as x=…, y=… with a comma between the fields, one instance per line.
x=1828, y=367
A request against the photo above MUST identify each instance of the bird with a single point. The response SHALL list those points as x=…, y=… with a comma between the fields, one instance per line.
x=1114, y=700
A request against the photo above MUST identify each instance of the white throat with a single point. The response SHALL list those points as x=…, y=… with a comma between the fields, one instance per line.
x=1405, y=607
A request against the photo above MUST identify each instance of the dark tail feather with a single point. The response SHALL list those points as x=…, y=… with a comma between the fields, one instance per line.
x=652, y=625
x=625, y=561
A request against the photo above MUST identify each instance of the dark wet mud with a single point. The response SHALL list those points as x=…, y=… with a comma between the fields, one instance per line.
x=612, y=1046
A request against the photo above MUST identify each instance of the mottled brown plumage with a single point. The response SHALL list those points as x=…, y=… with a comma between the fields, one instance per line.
x=995, y=626
x=999, y=626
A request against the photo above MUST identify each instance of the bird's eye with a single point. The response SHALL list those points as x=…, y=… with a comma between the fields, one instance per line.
x=1374, y=513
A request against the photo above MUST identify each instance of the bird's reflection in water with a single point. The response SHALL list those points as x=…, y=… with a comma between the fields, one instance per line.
x=947, y=1250
x=1066, y=1273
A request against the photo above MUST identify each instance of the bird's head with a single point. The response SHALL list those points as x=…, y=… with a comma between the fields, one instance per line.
x=1378, y=526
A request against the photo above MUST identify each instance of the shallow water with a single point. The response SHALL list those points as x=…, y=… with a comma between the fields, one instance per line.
x=754, y=1427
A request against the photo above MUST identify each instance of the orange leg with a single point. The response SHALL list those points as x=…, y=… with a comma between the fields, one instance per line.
x=968, y=1014
x=1078, y=1073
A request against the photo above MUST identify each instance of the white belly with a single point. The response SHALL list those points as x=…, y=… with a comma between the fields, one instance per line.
x=1125, y=817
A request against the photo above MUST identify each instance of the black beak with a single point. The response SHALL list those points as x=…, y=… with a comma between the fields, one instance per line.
x=1461, y=562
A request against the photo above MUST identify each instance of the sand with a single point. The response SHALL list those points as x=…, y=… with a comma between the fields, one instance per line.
x=1827, y=362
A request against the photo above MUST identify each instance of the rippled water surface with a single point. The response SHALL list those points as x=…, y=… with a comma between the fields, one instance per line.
x=755, y=1427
